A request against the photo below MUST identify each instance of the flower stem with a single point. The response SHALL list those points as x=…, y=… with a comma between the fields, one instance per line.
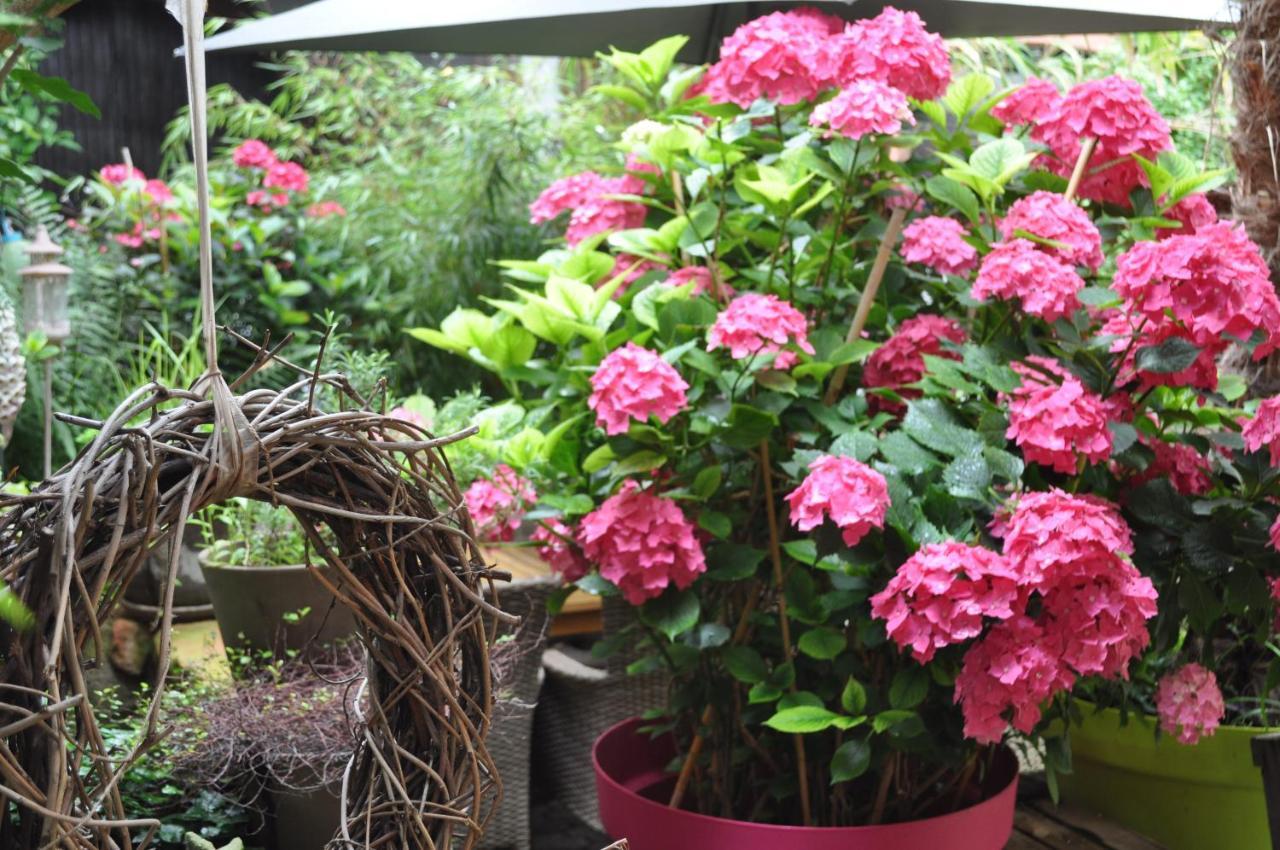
x=1077, y=173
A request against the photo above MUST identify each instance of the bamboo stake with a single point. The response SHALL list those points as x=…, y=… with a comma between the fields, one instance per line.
x=775, y=554
x=891, y=233
x=1077, y=173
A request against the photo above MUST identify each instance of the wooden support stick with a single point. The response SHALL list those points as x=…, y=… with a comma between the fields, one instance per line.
x=890, y=238
x=1082, y=161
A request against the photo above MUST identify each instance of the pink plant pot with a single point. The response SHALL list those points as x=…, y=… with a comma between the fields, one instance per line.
x=632, y=780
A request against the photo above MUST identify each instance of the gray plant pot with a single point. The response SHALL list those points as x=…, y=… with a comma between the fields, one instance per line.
x=250, y=604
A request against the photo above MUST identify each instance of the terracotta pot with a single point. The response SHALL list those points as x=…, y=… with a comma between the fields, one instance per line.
x=250, y=604
x=632, y=780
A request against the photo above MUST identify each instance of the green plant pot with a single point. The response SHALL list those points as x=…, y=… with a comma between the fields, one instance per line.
x=253, y=607
x=1184, y=797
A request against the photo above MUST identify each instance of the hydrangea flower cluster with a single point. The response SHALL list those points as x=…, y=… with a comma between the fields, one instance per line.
x=793, y=56
x=279, y=178
x=939, y=243
x=900, y=360
x=1055, y=419
x=589, y=198
x=1071, y=550
x=700, y=277
x=940, y=595
x=631, y=384
x=253, y=153
x=863, y=108
x=1116, y=113
x=1264, y=429
x=755, y=325
x=1018, y=270
x=558, y=547
x=1189, y=703
x=1192, y=213
x=1207, y=287
x=1050, y=216
x=641, y=543
x=1027, y=103
x=497, y=505
x=117, y=174
x=852, y=494
x=1180, y=464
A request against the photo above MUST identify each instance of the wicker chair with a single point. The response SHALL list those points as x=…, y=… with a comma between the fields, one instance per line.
x=518, y=671
x=580, y=700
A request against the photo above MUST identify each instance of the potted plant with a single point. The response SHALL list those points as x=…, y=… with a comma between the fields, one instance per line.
x=266, y=597
x=844, y=381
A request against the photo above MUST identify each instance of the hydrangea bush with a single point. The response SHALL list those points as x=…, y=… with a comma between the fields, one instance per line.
x=276, y=240
x=896, y=405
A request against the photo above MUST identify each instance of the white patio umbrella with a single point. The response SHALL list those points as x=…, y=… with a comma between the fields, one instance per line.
x=581, y=27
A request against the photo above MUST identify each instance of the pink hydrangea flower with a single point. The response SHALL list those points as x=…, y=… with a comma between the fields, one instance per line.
x=894, y=48
x=497, y=505
x=1006, y=677
x=900, y=361
x=1052, y=535
x=863, y=108
x=1212, y=283
x=567, y=193
x=1096, y=616
x=1029, y=103
x=1051, y=216
x=1189, y=703
x=1264, y=429
x=700, y=277
x=118, y=174
x=1017, y=269
x=253, y=153
x=1057, y=423
x=413, y=417
x=633, y=268
x=1274, y=535
x=631, y=182
x=754, y=325
x=939, y=243
x=774, y=56
x=603, y=214
x=631, y=384
x=1192, y=213
x=265, y=200
x=848, y=491
x=901, y=197
x=288, y=176
x=1125, y=325
x=1178, y=463
x=131, y=239
x=158, y=191
x=559, y=549
x=324, y=209
x=940, y=595
x=642, y=543
x=1114, y=111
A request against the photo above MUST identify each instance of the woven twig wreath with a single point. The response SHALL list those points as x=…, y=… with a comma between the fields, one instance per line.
x=404, y=561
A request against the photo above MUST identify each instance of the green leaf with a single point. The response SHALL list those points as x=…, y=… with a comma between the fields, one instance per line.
x=673, y=613
x=709, y=636
x=9, y=168
x=746, y=426
x=800, y=698
x=55, y=87
x=629, y=96
x=715, y=523
x=1123, y=435
x=1172, y=355
x=968, y=477
x=853, y=698
x=824, y=643
x=899, y=721
x=732, y=561
x=906, y=454
x=931, y=424
x=706, y=482
x=850, y=761
x=909, y=687
x=804, y=550
x=598, y=459
x=967, y=93
x=994, y=158
x=745, y=664
x=954, y=194
x=802, y=720
x=13, y=611
x=643, y=461
x=1098, y=296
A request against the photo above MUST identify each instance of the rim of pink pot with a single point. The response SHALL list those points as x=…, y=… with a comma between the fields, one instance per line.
x=994, y=800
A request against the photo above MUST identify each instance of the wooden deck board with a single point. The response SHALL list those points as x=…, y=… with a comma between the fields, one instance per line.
x=1040, y=825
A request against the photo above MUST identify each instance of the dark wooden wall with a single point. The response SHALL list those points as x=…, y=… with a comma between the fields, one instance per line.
x=121, y=53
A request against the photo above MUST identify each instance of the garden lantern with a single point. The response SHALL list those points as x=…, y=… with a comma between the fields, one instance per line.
x=44, y=309
x=44, y=289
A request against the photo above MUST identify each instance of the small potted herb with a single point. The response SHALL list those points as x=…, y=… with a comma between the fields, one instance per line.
x=261, y=575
